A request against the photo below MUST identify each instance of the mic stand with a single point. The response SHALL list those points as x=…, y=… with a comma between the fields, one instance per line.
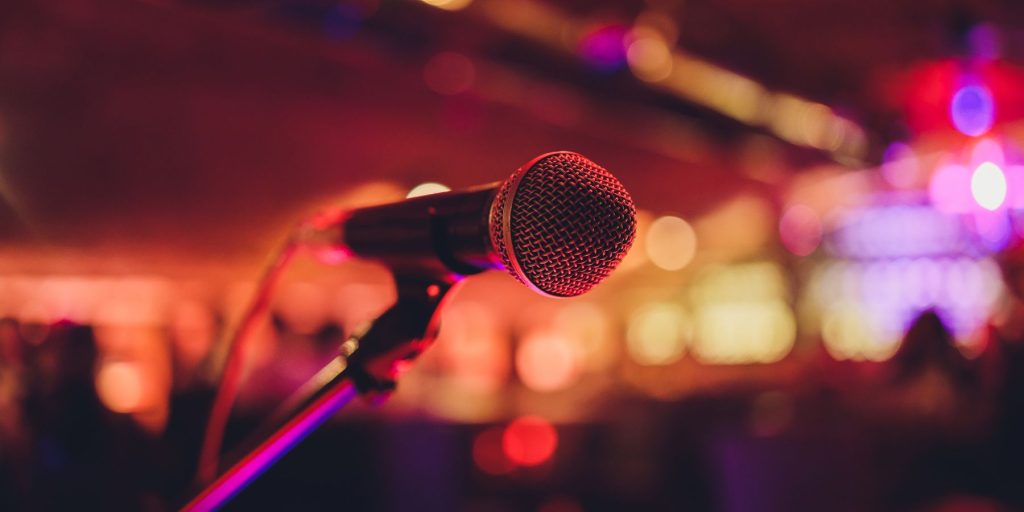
x=369, y=364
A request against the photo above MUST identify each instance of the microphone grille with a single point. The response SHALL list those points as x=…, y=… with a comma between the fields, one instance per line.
x=562, y=223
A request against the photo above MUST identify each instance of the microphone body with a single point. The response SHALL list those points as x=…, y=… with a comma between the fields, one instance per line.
x=444, y=232
x=560, y=224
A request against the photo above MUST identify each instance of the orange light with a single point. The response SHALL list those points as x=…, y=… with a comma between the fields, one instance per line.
x=671, y=243
x=119, y=385
x=529, y=441
x=548, y=361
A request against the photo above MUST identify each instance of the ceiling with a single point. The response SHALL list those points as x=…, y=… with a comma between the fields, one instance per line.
x=169, y=137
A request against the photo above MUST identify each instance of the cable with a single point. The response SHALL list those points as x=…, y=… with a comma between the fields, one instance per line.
x=232, y=363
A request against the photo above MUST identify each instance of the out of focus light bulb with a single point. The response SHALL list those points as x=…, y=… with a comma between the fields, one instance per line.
x=988, y=186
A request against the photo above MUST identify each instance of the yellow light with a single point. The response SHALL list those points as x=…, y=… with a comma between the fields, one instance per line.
x=658, y=334
x=426, y=189
x=448, y=5
x=741, y=314
x=847, y=334
x=650, y=59
x=671, y=243
x=759, y=281
x=738, y=228
x=744, y=332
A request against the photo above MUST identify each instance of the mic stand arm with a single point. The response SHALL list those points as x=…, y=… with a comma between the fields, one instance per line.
x=369, y=364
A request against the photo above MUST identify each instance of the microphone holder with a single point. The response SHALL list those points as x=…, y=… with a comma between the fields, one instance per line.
x=369, y=364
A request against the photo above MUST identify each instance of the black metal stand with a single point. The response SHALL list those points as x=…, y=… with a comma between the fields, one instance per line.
x=370, y=364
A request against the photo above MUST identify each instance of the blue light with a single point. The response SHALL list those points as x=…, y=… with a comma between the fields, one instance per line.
x=972, y=110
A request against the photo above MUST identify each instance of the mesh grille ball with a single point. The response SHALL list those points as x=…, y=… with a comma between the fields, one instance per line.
x=562, y=223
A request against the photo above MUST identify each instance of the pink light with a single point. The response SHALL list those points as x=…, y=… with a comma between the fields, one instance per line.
x=900, y=166
x=1014, y=186
x=800, y=230
x=988, y=150
x=948, y=189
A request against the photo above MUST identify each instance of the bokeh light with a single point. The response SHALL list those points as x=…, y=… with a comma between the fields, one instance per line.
x=800, y=230
x=948, y=189
x=473, y=346
x=658, y=334
x=847, y=336
x=426, y=189
x=489, y=453
x=898, y=260
x=603, y=48
x=900, y=165
x=741, y=314
x=448, y=5
x=591, y=327
x=988, y=186
x=671, y=243
x=744, y=332
x=547, y=360
x=304, y=307
x=193, y=327
x=650, y=58
x=119, y=385
x=529, y=441
x=972, y=110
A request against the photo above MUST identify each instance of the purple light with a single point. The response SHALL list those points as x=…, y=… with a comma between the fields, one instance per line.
x=993, y=229
x=605, y=48
x=972, y=110
x=950, y=189
x=983, y=41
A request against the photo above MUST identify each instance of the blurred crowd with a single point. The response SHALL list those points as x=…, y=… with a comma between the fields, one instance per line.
x=61, y=448
x=929, y=429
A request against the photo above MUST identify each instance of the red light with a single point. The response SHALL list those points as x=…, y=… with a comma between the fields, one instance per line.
x=488, y=454
x=529, y=441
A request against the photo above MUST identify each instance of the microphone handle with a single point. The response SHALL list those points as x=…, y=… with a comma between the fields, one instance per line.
x=446, y=232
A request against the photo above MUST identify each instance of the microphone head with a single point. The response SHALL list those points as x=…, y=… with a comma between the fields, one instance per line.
x=561, y=224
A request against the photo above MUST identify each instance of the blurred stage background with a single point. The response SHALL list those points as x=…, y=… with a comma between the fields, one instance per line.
x=813, y=179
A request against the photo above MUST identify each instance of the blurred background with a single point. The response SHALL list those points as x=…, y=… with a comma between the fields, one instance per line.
x=820, y=311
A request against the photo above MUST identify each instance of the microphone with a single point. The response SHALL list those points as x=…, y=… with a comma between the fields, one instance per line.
x=560, y=224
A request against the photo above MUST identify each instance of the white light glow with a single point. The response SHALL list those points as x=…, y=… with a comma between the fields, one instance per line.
x=658, y=334
x=988, y=186
x=425, y=189
x=671, y=243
